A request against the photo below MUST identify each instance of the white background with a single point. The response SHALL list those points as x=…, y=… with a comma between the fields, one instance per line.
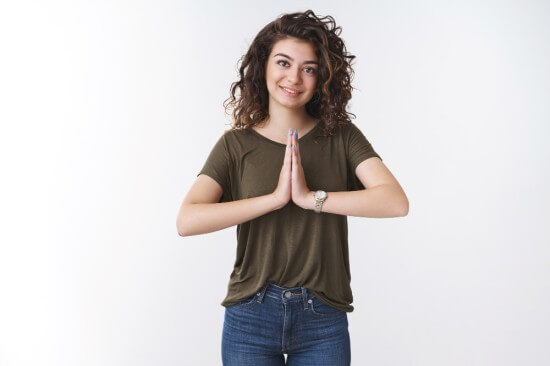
x=108, y=110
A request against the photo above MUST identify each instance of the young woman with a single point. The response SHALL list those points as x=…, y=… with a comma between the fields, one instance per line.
x=288, y=173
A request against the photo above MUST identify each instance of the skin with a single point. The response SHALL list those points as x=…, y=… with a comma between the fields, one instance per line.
x=200, y=211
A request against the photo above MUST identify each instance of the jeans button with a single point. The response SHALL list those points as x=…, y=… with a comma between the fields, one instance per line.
x=287, y=294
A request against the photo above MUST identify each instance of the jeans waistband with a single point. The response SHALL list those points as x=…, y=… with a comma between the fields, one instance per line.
x=285, y=294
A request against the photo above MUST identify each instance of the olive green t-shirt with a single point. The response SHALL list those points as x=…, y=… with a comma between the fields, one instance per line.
x=290, y=246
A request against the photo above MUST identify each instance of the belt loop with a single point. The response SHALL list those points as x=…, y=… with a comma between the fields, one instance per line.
x=304, y=297
x=261, y=293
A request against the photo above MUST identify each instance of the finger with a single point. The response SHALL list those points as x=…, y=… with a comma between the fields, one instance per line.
x=288, y=150
x=296, y=148
x=294, y=139
x=297, y=152
x=295, y=161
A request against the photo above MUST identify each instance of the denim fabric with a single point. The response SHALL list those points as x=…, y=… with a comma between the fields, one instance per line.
x=279, y=320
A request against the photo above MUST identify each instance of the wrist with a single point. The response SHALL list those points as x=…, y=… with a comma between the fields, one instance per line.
x=275, y=202
x=308, y=201
x=318, y=199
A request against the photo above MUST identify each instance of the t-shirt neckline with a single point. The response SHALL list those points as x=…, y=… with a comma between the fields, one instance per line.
x=300, y=138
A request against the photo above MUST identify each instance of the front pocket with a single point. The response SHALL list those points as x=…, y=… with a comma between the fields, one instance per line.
x=248, y=301
x=320, y=308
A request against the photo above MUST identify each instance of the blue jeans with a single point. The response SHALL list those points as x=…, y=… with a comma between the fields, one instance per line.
x=279, y=320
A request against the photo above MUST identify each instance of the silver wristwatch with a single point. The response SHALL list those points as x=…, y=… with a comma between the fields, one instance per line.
x=319, y=197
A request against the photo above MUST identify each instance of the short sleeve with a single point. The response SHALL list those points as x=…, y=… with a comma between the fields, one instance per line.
x=218, y=166
x=358, y=150
x=358, y=147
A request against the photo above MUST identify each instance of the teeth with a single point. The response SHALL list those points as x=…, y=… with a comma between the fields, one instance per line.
x=290, y=91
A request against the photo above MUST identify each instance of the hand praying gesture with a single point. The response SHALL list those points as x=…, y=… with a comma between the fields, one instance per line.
x=292, y=182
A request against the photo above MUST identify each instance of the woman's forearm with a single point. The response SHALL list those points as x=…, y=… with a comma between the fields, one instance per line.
x=201, y=218
x=381, y=201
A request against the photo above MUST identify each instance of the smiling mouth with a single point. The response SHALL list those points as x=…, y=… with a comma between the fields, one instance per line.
x=290, y=91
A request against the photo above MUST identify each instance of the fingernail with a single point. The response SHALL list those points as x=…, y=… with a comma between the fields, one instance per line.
x=289, y=131
x=296, y=133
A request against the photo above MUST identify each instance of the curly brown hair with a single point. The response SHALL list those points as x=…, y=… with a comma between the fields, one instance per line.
x=333, y=90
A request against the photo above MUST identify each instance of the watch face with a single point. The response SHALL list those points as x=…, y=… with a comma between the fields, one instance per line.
x=320, y=195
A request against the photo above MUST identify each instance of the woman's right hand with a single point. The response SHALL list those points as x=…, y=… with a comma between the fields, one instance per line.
x=283, y=190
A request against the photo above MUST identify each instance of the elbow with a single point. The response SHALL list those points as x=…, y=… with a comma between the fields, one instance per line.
x=403, y=207
x=186, y=222
x=180, y=225
x=180, y=228
x=400, y=202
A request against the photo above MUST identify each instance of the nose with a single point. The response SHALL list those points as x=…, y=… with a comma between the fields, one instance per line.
x=293, y=76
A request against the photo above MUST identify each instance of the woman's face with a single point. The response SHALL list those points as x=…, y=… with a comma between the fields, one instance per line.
x=291, y=64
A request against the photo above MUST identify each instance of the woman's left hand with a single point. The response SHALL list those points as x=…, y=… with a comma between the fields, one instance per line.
x=301, y=195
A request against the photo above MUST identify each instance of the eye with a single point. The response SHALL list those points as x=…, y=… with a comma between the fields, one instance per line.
x=278, y=62
x=312, y=69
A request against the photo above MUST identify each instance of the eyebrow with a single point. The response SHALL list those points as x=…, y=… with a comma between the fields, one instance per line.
x=291, y=59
